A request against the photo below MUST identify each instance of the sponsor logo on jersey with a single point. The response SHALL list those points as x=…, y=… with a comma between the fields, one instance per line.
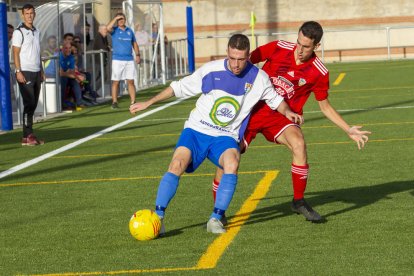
x=224, y=111
x=301, y=82
x=283, y=86
x=292, y=74
x=247, y=87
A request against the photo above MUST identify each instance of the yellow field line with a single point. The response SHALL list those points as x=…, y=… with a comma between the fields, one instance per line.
x=134, y=271
x=339, y=79
x=373, y=89
x=210, y=258
x=217, y=248
x=76, y=181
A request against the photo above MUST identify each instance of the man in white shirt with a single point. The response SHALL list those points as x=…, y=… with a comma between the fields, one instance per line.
x=230, y=88
x=29, y=72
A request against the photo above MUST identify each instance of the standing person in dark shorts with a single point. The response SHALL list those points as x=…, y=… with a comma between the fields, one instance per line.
x=29, y=72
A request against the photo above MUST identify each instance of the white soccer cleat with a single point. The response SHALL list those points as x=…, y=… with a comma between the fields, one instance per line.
x=215, y=226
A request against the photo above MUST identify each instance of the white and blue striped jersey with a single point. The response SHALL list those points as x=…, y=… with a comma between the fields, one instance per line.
x=226, y=99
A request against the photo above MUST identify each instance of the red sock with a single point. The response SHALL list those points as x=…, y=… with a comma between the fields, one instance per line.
x=299, y=180
x=215, y=187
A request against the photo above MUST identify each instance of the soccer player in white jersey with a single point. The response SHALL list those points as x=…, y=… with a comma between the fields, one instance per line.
x=229, y=90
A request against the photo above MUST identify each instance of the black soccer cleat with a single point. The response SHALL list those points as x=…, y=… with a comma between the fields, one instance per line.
x=223, y=220
x=302, y=207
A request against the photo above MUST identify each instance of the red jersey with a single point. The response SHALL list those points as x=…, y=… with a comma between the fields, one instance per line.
x=293, y=82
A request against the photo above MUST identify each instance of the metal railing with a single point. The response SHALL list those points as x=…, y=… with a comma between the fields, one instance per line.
x=362, y=44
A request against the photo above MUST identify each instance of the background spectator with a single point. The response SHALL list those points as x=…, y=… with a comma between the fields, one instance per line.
x=102, y=42
x=50, y=50
x=68, y=79
x=29, y=73
x=123, y=67
x=142, y=36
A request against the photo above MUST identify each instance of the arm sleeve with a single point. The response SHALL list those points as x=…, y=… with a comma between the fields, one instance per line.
x=17, y=38
x=72, y=63
x=133, y=38
x=188, y=86
x=321, y=87
x=263, y=53
x=269, y=95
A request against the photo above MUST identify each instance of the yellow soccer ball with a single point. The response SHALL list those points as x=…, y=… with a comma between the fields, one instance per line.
x=145, y=225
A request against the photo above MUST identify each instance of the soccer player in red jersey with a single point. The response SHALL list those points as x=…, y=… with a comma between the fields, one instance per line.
x=296, y=72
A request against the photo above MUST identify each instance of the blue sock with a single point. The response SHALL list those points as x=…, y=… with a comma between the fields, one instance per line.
x=166, y=191
x=225, y=193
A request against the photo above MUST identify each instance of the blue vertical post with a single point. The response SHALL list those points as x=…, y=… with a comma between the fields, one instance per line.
x=5, y=98
x=190, y=38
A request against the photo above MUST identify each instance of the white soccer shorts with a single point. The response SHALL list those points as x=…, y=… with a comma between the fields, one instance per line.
x=123, y=70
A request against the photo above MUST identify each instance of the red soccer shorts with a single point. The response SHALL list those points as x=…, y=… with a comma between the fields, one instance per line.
x=268, y=122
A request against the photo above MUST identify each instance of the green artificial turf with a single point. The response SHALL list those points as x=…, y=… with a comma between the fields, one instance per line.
x=69, y=213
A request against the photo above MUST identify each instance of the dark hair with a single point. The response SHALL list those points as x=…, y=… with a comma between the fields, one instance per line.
x=312, y=30
x=10, y=26
x=51, y=37
x=239, y=42
x=120, y=13
x=28, y=7
x=68, y=34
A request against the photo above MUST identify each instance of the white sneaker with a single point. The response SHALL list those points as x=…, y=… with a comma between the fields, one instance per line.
x=215, y=226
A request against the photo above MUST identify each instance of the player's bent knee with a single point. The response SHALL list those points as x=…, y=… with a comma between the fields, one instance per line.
x=177, y=166
x=231, y=167
x=299, y=145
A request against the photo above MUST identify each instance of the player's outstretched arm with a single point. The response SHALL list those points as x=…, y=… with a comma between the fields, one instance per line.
x=163, y=95
x=284, y=109
x=354, y=132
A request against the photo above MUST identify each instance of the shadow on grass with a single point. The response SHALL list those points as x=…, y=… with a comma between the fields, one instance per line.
x=89, y=162
x=358, y=197
x=11, y=141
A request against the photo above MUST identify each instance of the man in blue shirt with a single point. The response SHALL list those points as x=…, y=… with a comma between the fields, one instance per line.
x=67, y=74
x=123, y=67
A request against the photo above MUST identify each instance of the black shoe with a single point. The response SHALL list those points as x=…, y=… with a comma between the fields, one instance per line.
x=302, y=207
x=223, y=220
x=115, y=105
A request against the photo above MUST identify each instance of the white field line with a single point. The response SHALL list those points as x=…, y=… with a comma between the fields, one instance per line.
x=83, y=140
